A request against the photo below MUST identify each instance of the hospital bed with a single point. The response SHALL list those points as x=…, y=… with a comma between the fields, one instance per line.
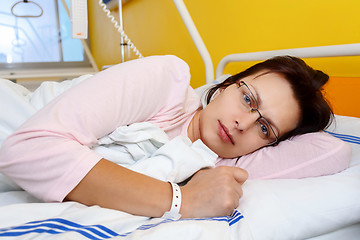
x=318, y=208
x=326, y=207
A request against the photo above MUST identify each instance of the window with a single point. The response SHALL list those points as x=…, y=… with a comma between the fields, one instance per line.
x=36, y=36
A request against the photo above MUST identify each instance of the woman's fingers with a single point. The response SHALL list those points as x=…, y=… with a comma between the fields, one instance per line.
x=240, y=175
x=213, y=192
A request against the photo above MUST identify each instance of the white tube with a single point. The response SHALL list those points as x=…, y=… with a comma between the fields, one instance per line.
x=189, y=23
x=121, y=25
x=310, y=52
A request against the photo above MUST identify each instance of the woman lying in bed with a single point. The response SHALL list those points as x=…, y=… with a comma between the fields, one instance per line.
x=50, y=155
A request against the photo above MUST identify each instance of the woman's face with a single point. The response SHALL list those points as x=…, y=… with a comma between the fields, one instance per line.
x=230, y=129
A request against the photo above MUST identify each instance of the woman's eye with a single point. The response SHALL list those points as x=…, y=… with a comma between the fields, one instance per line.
x=247, y=99
x=264, y=129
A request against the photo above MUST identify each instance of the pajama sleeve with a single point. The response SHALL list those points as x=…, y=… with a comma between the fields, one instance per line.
x=51, y=152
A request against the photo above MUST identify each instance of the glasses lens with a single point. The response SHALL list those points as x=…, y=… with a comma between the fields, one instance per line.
x=265, y=131
x=247, y=97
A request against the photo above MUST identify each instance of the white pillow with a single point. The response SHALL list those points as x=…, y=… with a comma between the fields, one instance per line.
x=303, y=208
x=348, y=129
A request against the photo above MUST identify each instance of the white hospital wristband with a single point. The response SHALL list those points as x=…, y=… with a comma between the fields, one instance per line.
x=176, y=203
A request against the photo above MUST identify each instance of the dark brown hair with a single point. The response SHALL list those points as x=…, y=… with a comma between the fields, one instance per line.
x=307, y=85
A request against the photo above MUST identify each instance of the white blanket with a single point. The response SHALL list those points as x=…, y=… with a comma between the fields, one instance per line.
x=75, y=221
x=147, y=149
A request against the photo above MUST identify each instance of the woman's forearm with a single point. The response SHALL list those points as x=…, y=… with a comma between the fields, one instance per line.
x=211, y=192
x=112, y=186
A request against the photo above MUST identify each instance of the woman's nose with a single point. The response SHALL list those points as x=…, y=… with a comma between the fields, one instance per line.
x=246, y=120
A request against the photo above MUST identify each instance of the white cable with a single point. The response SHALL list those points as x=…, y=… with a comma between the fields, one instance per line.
x=118, y=28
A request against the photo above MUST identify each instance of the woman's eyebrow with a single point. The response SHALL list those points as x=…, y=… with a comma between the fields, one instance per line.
x=276, y=129
x=259, y=101
x=257, y=96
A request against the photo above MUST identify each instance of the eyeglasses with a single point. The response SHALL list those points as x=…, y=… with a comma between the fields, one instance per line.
x=249, y=102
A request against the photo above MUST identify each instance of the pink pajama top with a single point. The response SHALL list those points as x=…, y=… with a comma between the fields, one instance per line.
x=50, y=154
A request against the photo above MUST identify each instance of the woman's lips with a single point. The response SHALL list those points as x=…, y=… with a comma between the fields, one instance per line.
x=224, y=134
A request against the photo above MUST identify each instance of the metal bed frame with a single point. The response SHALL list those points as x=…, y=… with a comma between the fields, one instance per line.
x=309, y=52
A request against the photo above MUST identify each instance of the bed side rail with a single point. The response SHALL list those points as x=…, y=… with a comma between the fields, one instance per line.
x=309, y=52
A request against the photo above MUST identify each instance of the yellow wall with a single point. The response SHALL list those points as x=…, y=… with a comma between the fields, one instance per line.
x=233, y=26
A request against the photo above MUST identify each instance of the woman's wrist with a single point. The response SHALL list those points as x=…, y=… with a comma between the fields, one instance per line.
x=184, y=210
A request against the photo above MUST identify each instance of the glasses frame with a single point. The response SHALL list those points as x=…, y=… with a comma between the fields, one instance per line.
x=242, y=83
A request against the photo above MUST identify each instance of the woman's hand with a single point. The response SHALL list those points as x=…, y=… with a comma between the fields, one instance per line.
x=213, y=192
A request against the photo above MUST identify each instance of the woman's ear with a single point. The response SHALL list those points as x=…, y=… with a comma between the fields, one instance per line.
x=216, y=93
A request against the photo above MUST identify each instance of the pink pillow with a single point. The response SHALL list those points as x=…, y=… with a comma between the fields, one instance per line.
x=308, y=155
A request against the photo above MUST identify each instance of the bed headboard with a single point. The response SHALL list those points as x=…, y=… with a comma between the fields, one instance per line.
x=343, y=93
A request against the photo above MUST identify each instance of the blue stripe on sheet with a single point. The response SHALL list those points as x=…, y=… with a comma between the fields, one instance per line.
x=346, y=137
x=59, y=225
x=234, y=218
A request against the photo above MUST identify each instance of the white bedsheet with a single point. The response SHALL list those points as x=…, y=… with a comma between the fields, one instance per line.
x=270, y=209
x=75, y=221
